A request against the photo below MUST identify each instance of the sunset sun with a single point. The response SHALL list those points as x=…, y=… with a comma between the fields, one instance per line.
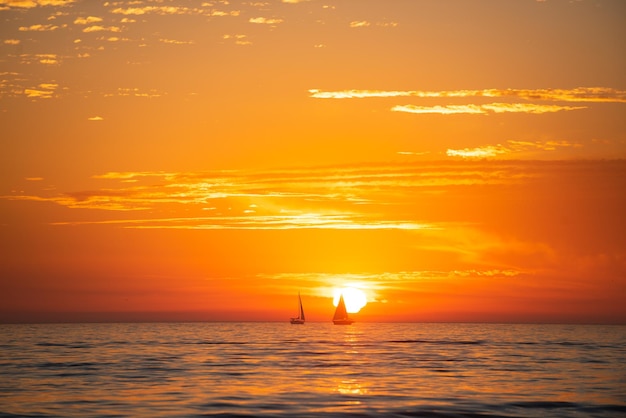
x=354, y=298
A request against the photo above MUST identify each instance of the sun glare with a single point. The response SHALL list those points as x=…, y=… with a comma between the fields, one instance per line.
x=354, y=298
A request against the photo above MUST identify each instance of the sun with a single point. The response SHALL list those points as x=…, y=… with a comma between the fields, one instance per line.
x=354, y=298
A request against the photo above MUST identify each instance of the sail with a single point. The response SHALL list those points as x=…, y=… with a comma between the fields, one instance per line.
x=301, y=308
x=300, y=318
x=340, y=312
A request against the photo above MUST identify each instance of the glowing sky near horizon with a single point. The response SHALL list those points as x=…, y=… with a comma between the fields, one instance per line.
x=170, y=159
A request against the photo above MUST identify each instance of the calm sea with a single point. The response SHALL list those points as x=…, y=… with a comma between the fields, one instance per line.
x=312, y=370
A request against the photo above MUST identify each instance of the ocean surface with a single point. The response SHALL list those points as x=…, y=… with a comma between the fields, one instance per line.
x=312, y=370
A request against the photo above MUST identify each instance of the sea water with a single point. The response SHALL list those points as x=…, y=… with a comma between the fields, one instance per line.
x=312, y=370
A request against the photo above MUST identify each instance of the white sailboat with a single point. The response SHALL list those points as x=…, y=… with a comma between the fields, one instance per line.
x=341, y=315
x=299, y=320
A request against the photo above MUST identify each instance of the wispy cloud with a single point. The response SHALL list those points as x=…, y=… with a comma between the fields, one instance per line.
x=442, y=110
x=87, y=20
x=162, y=10
x=99, y=28
x=175, y=42
x=135, y=92
x=365, y=24
x=42, y=91
x=136, y=10
x=485, y=108
x=39, y=28
x=361, y=197
x=239, y=39
x=27, y=4
x=265, y=21
x=387, y=283
x=480, y=152
x=510, y=147
x=580, y=94
x=47, y=59
x=359, y=24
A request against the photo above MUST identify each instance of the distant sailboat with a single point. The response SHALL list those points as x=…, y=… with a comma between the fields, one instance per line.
x=299, y=320
x=341, y=315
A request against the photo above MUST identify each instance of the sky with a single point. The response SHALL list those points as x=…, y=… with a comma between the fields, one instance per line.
x=207, y=160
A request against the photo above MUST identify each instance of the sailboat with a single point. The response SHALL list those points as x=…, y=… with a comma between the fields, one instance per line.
x=341, y=315
x=299, y=320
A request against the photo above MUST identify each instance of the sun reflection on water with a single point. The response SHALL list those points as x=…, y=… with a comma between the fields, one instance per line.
x=351, y=387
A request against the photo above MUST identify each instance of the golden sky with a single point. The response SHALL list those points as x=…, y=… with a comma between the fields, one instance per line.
x=208, y=160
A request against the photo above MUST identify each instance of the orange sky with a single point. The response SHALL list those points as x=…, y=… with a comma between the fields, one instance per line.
x=208, y=160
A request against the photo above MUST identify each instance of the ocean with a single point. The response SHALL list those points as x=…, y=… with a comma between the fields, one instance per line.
x=313, y=370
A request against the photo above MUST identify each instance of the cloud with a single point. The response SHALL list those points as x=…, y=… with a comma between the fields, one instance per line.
x=99, y=28
x=38, y=28
x=527, y=108
x=511, y=146
x=545, y=146
x=55, y=2
x=485, y=109
x=265, y=21
x=175, y=42
x=239, y=39
x=174, y=10
x=482, y=152
x=87, y=20
x=42, y=91
x=392, y=197
x=249, y=221
x=442, y=110
x=395, y=283
x=355, y=94
x=344, y=197
x=135, y=92
x=219, y=13
x=27, y=4
x=162, y=10
x=47, y=59
x=580, y=94
x=359, y=24
x=387, y=24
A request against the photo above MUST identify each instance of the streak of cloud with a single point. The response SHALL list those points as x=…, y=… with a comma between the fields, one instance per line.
x=359, y=197
x=580, y=94
x=87, y=20
x=485, y=109
x=27, y=4
x=359, y=24
x=265, y=21
x=99, y=28
x=42, y=91
x=38, y=28
x=510, y=147
x=442, y=110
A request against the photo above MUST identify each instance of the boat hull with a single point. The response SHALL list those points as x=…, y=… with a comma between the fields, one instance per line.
x=343, y=321
x=297, y=321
